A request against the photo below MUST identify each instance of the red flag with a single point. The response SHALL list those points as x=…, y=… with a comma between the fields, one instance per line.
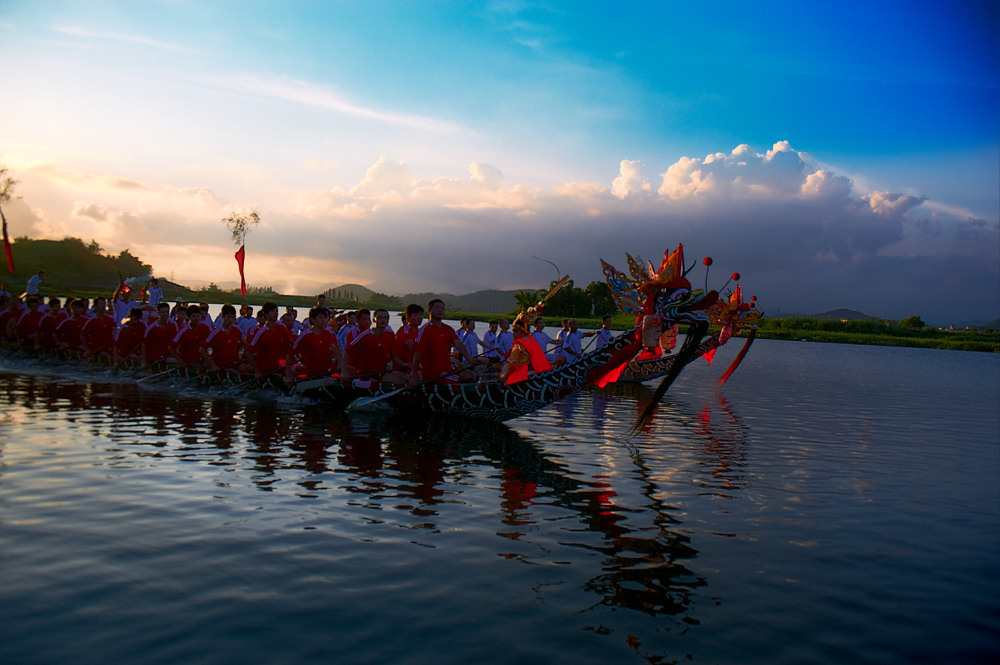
x=239, y=261
x=6, y=245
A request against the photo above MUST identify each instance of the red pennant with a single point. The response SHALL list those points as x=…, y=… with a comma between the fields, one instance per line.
x=239, y=261
x=6, y=245
x=739, y=358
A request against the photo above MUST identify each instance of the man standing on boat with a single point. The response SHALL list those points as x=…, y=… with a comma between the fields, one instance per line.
x=34, y=282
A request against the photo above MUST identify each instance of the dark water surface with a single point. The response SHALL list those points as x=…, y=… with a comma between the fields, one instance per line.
x=836, y=504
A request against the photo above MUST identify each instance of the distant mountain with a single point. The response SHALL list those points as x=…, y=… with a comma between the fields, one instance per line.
x=849, y=314
x=988, y=325
x=350, y=292
x=485, y=302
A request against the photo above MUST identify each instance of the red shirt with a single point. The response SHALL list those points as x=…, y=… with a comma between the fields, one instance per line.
x=128, y=339
x=367, y=354
x=188, y=342
x=406, y=340
x=158, y=340
x=434, y=344
x=224, y=345
x=68, y=333
x=27, y=326
x=99, y=334
x=315, y=352
x=6, y=318
x=47, y=329
x=270, y=346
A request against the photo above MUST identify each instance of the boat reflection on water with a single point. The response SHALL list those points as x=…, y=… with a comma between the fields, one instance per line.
x=548, y=507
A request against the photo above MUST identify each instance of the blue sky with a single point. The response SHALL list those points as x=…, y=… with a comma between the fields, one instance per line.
x=837, y=155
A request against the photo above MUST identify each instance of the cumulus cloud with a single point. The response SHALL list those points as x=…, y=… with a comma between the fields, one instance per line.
x=801, y=234
x=631, y=179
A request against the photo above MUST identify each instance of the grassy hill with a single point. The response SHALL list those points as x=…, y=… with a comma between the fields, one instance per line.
x=71, y=266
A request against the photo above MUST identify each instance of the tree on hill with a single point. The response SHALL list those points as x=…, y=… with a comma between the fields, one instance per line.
x=912, y=322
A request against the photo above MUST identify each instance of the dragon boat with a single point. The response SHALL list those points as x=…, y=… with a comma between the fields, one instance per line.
x=660, y=297
x=664, y=295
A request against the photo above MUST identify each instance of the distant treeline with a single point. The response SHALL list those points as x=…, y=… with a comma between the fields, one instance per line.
x=910, y=331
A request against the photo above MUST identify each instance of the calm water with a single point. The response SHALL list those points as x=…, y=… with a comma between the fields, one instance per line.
x=836, y=504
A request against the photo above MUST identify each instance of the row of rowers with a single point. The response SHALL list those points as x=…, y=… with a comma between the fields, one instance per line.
x=359, y=345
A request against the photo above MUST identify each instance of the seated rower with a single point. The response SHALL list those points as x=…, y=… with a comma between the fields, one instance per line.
x=68, y=333
x=406, y=337
x=432, y=351
x=603, y=335
x=543, y=338
x=158, y=338
x=128, y=340
x=269, y=347
x=26, y=328
x=186, y=346
x=99, y=332
x=505, y=339
x=8, y=319
x=571, y=346
x=370, y=351
x=317, y=350
x=46, y=337
x=526, y=354
x=222, y=348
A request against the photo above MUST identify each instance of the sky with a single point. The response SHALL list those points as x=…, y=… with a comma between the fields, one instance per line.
x=836, y=155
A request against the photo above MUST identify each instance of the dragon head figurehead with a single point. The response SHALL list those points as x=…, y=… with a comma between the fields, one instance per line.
x=664, y=291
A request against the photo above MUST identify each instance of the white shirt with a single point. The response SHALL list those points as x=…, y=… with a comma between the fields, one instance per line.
x=155, y=295
x=571, y=346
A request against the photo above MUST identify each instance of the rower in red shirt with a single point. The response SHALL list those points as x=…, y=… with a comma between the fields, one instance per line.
x=186, y=346
x=99, y=332
x=406, y=337
x=8, y=319
x=221, y=349
x=46, y=337
x=371, y=350
x=159, y=336
x=432, y=351
x=128, y=339
x=68, y=337
x=270, y=345
x=317, y=349
x=26, y=328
